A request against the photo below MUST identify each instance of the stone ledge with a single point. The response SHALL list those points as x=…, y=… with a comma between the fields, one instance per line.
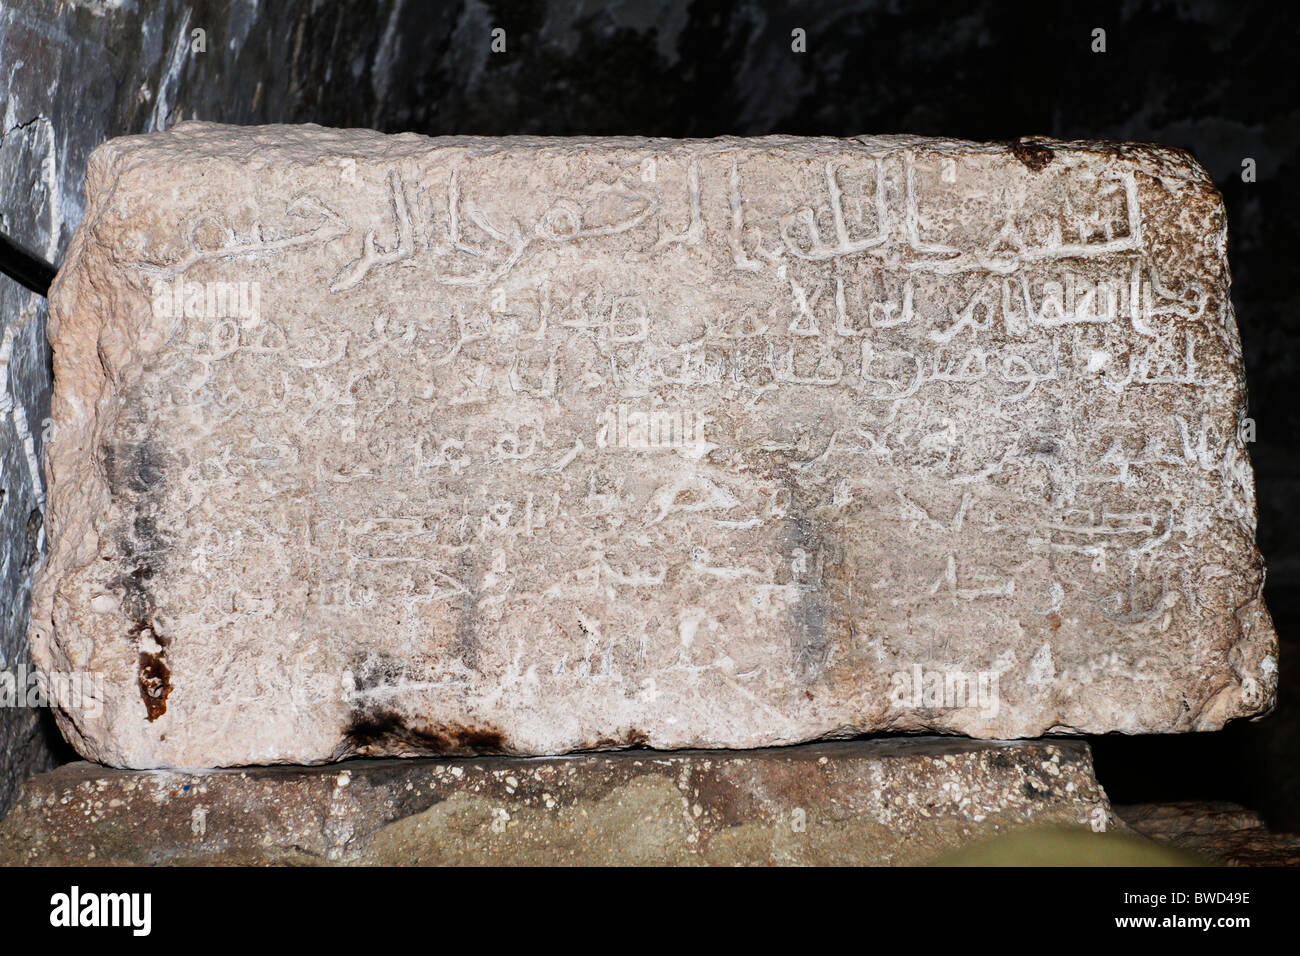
x=885, y=801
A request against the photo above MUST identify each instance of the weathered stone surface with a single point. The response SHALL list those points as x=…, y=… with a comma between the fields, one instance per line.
x=388, y=445
x=1222, y=832
x=880, y=802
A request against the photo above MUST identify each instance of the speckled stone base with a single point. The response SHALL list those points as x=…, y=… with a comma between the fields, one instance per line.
x=897, y=801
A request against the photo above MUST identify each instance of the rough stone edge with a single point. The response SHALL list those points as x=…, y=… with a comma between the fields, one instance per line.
x=341, y=837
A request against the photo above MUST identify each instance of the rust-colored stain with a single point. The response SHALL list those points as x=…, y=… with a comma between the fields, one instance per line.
x=155, y=682
x=1054, y=621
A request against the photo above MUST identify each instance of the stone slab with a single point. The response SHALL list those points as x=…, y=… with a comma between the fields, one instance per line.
x=387, y=445
x=900, y=801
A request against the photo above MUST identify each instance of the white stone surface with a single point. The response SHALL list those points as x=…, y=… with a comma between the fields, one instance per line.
x=539, y=445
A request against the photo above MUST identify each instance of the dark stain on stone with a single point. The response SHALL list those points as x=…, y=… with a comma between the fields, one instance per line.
x=1036, y=156
x=1002, y=760
x=467, y=648
x=1035, y=793
x=633, y=738
x=136, y=470
x=377, y=670
x=811, y=637
x=1054, y=621
x=155, y=682
x=137, y=600
x=385, y=731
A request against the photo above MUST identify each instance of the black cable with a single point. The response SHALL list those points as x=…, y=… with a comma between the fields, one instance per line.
x=25, y=267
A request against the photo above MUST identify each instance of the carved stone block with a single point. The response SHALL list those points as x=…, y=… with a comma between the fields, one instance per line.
x=389, y=445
